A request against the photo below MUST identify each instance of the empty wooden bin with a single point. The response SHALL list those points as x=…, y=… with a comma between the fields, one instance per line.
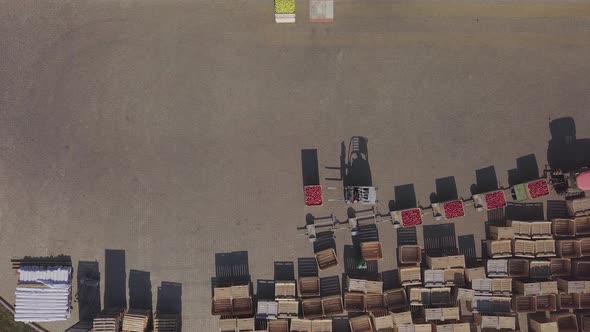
x=564, y=228
x=583, y=224
x=374, y=302
x=332, y=305
x=309, y=286
x=581, y=269
x=566, y=322
x=584, y=247
x=287, y=308
x=321, y=325
x=410, y=276
x=568, y=248
x=524, y=304
x=361, y=324
x=560, y=267
x=354, y=301
x=326, y=259
x=395, y=299
x=567, y=301
x=278, y=325
x=570, y=285
x=221, y=303
x=410, y=254
x=372, y=250
x=402, y=318
x=300, y=325
x=382, y=321
x=546, y=302
x=538, y=323
x=312, y=308
x=518, y=268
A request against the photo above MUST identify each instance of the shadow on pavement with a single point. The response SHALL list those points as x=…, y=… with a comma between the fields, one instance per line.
x=88, y=290
x=115, y=296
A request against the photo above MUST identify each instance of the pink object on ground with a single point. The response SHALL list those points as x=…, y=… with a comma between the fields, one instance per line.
x=583, y=180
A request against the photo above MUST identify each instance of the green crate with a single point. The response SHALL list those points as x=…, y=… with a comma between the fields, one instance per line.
x=285, y=6
x=520, y=193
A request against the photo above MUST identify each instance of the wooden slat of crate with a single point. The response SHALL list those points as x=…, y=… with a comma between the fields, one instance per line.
x=372, y=250
x=321, y=325
x=326, y=259
x=332, y=305
x=361, y=324
x=356, y=285
x=135, y=320
x=285, y=289
x=300, y=325
x=278, y=325
x=312, y=308
x=309, y=286
x=354, y=302
x=166, y=323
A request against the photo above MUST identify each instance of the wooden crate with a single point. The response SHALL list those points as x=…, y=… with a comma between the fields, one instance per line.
x=549, y=287
x=497, y=267
x=245, y=324
x=524, y=304
x=568, y=248
x=499, y=248
x=410, y=276
x=309, y=286
x=579, y=206
x=372, y=250
x=356, y=285
x=564, y=228
x=526, y=287
x=434, y=278
x=546, y=302
x=581, y=269
x=545, y=248
x=225, y=325
x=419, y=295
x=507, y=322
x=584, y=247
x=166, y=322
x=583, y=321
x=354, y=302
x=567, y=301
x=395, y=299
x=501, y=233
x=410, y=254
x=242, y=306
x=312, y=308
x=518, y=268
x=584, y=300
x=285, y=290
x=475, y=273
x=540, y=269
x=278, y=325
x=361, y=324
x=440, y=296
x=382, y=322
x=332, y=305
x=109, y=321
x=539, y=323
x=437, y=262
x=582, y=224
x=300, y=325
x=524, y=248
x=374, y=287
x=521, y=229
x=401, y=318
x=569, y=285
x=374, y=302
x=288, y=308
x=541, y=230
x=221, y=304
x=566, y=322
x=321, y=325
x=454, y=277
x=456, y=261
x=135, y=320
x=561, y=267
x=267, y=309
x=326, y=259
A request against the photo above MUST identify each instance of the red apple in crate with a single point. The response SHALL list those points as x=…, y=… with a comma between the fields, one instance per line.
x=538, y=188
x=411, y=217
x=495, y=200
x=454, y=209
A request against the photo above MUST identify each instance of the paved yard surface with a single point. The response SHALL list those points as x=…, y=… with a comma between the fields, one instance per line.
x=172, y=129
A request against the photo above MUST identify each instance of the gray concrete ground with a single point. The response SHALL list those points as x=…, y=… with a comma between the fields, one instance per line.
x=173, y=129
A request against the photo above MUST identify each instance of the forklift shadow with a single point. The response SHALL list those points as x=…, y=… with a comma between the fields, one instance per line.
x=565, y=151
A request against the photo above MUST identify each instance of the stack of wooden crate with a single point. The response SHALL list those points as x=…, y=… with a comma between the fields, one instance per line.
x=136, y=320
x=108, y=321
x=166, y=322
